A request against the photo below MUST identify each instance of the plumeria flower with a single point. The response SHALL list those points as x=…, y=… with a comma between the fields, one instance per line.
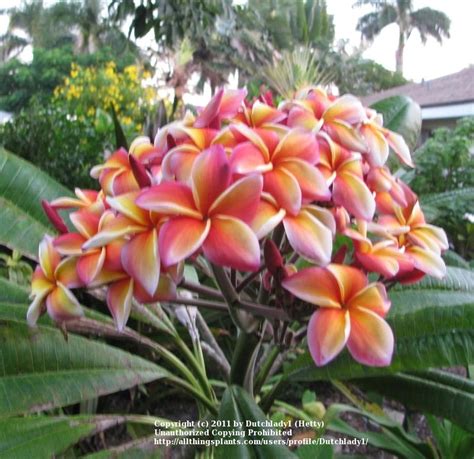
x=51, y=283
x=211, y=214
x=350, y=312
x=287, y=166
x=93, y=201
x=345, y=170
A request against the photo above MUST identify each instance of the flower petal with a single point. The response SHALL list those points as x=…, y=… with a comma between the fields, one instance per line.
x=350, y=280
x=180, y=237
x=90, y=265
x=232, y=243
x=328, y=331
x=119, y=301
x=69, y=243
x=373, y=297
x=317, y=286
x=48, y=256
x=87, y=223
x=66, y=273
x=166, y=290
x=266, y=218
x=347, y=108
x=240, y=200
x=170, y=198
x=210, y=177
x=311, y=181
x=309, y=237
x=427, y=261
x=178, y=163
x=247, y=158
x=141, y=260
x=351, y=192
x=62, y=304
x=284, y=188
x=371, y=339
x=126, y=205
x=40, y=284
x=297, y=144
x=345, y=135
x=429, y=237
x=36, y=308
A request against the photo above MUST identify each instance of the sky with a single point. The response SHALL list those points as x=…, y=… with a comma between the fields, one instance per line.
x=421, y=62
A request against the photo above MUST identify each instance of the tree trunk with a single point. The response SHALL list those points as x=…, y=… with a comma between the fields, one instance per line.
x=399, y=53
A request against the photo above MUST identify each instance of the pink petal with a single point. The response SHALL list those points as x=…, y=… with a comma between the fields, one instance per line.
x=232, y=243
x=180, y=237
x=119, y=301
x=247, y=158
x=62, y=304
x=267, y=217
x=373, y=297
x=69, y=244
x=89, y=266
x=328, y=331
x=297, y=144
x=284, y=188
x=210, y=176
x=371, y=339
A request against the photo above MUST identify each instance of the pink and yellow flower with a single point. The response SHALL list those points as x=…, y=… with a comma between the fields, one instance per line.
x=350, y=312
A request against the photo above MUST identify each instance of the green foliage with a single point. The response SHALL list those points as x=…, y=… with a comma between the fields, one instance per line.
x=64, y=147
x=21, y=83
x=451, y=440
x=364, y=76
x=23, y=221
x=444, y=177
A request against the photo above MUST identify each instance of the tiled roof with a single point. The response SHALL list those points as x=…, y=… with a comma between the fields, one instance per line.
x=455, y=88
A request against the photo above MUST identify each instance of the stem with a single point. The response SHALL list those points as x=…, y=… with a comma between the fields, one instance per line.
x=202, y=290
x=242, y=357
x=268, y=398
x=248, y=279
x=265, y=368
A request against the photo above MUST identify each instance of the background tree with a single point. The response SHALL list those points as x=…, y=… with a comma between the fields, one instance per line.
x=428, y=22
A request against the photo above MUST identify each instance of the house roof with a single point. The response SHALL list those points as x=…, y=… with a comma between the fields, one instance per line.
x=450, y=89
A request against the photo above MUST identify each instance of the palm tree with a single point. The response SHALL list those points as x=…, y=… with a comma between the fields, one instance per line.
x=428, y=22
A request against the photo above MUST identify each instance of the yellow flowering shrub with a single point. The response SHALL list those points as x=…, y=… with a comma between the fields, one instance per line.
x=88, y=90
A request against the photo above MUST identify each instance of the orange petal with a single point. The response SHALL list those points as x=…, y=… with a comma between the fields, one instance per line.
x=347, y=108
x=141, y=260
x=284, y=188
x=344, y=134
x=351, y=192
x=373, y=297
x=309, y=237
x=89, y=266
x=240, y=200
x=114, y=229
x=119, y=301
x=36, y=308
x=243, y=131
x=328, y=331
x=62, y=304
x=232, y=243
x=317, y=286
x=180, y=237
x=371, y=339
x=87, y=223
x=40, y=284
x=311, y=181
x=69, y=243
x=210, y=111
x=126, y=205
x=247, y=158
x=377, y=145
x=210, y=177
x=302, y=118
x=350, y=280
x=49, y=257
x=266, y=218
x=429, y=237
x=170, y=198
x=178, y=163
x=263, y=113
x=400, y=147
x=66, y=273
x=297, y=144
x=124, y=182
x=427, y=261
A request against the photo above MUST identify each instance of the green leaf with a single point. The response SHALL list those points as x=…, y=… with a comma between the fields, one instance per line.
x=120, y=139
x=238, y=406
x=446, y=198
x=401, y=114
x=40, y=370
x=47, y=436
x=143, y=448
x=315, y=452
x=433, y=324
x=12, y=293
x=22, y=187
x=436, y=392
x=454, y=259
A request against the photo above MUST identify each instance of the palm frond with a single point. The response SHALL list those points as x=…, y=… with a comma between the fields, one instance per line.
x=371, y=24
x=296, y=70
x=430, y=23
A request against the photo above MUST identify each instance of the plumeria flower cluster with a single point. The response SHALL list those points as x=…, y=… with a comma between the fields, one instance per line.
x=222, y=185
